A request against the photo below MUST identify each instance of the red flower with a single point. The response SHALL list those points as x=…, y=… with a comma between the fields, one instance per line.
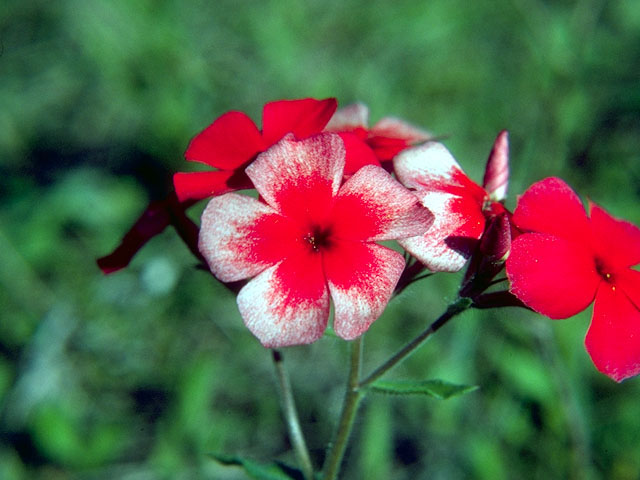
x=566, y=260
x=372, y=146
x=311, y=239
x=459, y=204
x=232, y=141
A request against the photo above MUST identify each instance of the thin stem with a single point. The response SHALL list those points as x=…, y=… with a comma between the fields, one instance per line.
x=291, y=415
x=454, y=309
x=349, y=410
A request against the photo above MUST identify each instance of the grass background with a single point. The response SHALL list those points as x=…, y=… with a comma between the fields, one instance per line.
x=142, y=374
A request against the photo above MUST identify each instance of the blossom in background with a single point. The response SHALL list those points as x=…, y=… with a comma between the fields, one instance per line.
x=460, y=205
x=376, y=145
x=310, y=240
x=156, y=217
x=232, y=141
x=229, y=144
x=565, y=260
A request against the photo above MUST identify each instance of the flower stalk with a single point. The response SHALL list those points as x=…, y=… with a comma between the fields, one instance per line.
x=352, y=400
x=291, y=414
x=457, y=307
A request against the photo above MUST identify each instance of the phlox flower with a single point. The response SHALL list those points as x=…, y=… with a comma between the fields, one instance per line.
x=461, y=206
x=309, y=240
x=565, y=260
x=376, y=145
x=232, y=141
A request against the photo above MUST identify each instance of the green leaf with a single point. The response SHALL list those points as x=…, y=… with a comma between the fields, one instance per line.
x=259, y=471
x=432, y=388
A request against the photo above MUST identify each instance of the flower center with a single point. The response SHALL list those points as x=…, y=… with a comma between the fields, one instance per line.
x=318, y=238
x=604, y=271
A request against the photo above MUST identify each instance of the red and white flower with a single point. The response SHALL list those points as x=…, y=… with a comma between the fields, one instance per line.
x=460, y=205
x=565, y=260
x=232, y=141
x=310, y=240
x=376, y=145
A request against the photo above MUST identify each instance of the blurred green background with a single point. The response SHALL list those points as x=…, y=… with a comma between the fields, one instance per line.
x=143, y=373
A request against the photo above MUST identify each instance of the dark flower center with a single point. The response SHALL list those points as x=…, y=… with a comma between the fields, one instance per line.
x=604, y=271
x=318, y=238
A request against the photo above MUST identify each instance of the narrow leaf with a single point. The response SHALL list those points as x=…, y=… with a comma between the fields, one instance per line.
x=432, y=388
x=259, y=471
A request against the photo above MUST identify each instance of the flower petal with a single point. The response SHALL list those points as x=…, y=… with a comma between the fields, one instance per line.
x=357, y=153
x=199, y=185
x=300, y=178
x=361, y=279
x=240, y=237
x=392, y=127
x=496, y=174
x=391, y=135
x=230, y=141
x=430, y=167
x=349, y=118
x=371, y=205
x=616, y=241
x=303, y=118
x=553, y=276
x=450, y=241
x=550, y=206
x=629, y=281
x=613, y=339
x=287, y=304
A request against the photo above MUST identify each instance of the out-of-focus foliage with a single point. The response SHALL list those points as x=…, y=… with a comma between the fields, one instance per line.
x=145, y=373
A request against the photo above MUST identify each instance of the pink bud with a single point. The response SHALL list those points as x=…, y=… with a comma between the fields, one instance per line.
x=496, y=175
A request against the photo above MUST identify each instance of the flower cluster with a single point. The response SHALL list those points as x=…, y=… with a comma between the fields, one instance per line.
x=327, y=195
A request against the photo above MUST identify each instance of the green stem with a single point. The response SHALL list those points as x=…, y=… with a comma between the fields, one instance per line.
x=459, y=306
x=291, y=415
x=349, y=410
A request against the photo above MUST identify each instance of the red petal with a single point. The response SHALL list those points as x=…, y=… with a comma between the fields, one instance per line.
x=391, y=135
x=199, y=185
x=496, y=175
x=550, y=206
x=358, y=153
x=303, y=118
x=551, y=275
x=287, y=304
x=371, y=205
x=361, y=279
x=300, y=178
x=629, y=281
x=613, y=339
x=229, y=142
x=450, y=241
x=616, y=242
x=386, y=148
x=240, y=237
